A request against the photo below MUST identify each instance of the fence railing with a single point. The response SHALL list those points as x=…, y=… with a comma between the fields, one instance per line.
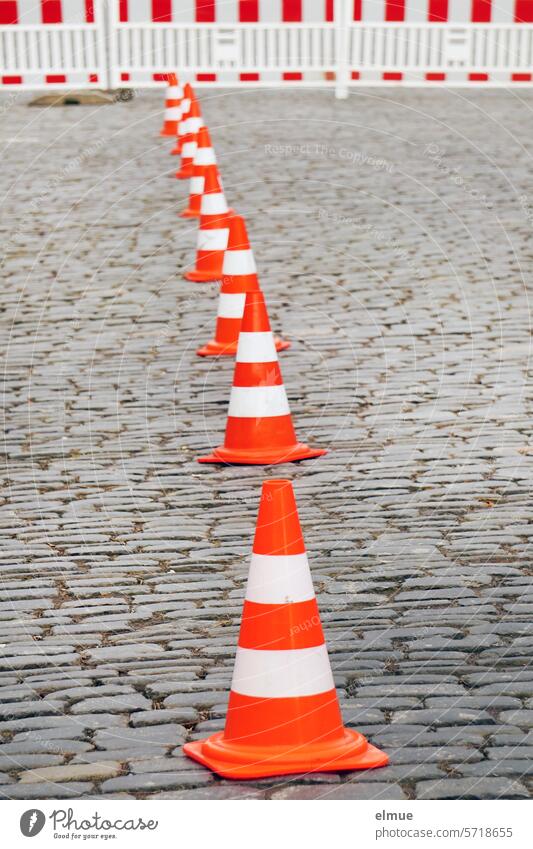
x=109, y=53
x=55, y=55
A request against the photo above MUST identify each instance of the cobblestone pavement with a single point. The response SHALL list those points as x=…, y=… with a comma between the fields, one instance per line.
x=393, y=234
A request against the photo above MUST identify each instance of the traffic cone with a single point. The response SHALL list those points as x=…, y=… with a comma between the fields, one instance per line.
x=239, y=276
x=204, y=156
x=213, y=231
x=189, y=141
x=259, y=428
x=188, y=95
x=283, y=714
x=173, y=100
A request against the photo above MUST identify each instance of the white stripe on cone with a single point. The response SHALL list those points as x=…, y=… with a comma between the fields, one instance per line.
x=172, y=113
x=282, y=674
x=239, y=262
x=188, y=150
x=212, y=240
x=279, y=579
x=258, y=402
x=214, y=203
x=193, y=125
x=174, y=92
x=197, y=185
x=205, y=156
x=256, y=347
x=231, y=305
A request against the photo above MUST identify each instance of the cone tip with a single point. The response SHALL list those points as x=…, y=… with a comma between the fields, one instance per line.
x=238, y=236
x=272, y=484
x=273, y=487
x=204, y=139
x=212, y=182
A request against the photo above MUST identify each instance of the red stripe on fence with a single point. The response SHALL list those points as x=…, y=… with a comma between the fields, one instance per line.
x=329, y=11
x=205, y=11
x=9, y=12
x=481, y=11
x=55, y=78
x=51, y=13
x=395, y=10
x=248, y=11
x=162, y=11
x=523, y=12
x=437, y=11
x=11, y=80
x=292, y=11
x=89, y=14
x=123, y=11
x=357, y=10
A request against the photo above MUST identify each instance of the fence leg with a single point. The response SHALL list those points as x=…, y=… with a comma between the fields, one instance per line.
x=342, y=11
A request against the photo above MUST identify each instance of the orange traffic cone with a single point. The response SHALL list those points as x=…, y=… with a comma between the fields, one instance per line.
x=185, y=109
x=213, y=231
x=173, y=100
x=239, y=276
x=189, y=141
x=259, y=428
x=204, y=156
x=283, y=714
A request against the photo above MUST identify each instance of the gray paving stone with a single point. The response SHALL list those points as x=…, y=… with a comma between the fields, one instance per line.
x=71, y=772
x=344, y=791
x=149, y=781
x=471, y=788
x=112, y=704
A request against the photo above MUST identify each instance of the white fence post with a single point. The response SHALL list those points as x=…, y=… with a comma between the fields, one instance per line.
x=100, y=19
x=342, y=11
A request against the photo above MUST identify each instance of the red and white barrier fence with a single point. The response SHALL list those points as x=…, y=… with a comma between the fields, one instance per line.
x=337, y=43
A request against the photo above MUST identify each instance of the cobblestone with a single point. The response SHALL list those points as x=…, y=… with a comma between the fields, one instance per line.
x=123, y=562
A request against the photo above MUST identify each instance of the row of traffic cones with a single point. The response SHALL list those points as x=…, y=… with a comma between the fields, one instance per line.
x=283, y=714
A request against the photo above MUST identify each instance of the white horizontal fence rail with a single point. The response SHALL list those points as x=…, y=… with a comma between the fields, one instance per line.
x=37, y=55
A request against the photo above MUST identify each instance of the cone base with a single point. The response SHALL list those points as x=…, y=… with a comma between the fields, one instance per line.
x=262, y=457
x=219, y=349
x=175, y=151
x=189, y=213
x=164, y=132
x=202, y=276
x=235, y=760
